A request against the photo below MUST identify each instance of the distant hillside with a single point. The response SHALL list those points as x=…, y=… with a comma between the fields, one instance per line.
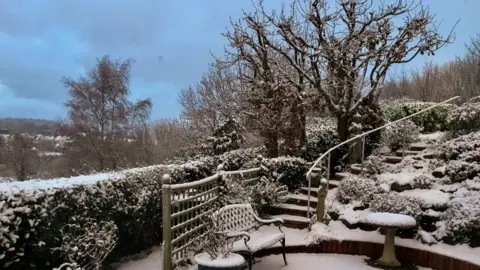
x=31, y=126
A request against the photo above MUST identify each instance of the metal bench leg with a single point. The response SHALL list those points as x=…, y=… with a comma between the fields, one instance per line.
x=284, y=251
x=250, y=261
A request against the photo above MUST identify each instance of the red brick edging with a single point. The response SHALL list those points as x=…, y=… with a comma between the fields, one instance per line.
x=374, y=250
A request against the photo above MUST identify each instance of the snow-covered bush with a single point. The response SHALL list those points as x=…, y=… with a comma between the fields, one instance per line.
x=429, y=121
x=289, y=171
x=393, y=136
x=463, y=220
x=459, y=170
x=87, y=245
x=356, y=188
x=239, y=159
x=466, y=118
x=321, y=136
x=394, y=203
x=374, y=165
x=460, y=148
x=423, y=181
x=226, y=137
x=267, y=193
x=262, y=194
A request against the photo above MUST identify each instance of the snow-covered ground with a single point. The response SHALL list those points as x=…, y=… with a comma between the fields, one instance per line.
x=315, y=261
x=294, y=237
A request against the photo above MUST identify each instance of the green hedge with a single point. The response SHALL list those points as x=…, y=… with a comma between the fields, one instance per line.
x=32, y=223
x=430, y=121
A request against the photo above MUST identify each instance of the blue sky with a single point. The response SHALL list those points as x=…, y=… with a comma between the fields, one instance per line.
x=42, y=41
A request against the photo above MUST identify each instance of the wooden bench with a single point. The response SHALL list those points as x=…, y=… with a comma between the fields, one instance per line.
x=240, y=223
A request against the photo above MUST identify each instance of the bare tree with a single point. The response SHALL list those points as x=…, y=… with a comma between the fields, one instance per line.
x=212, y=100
x=22, y=157
x=423, y=82
x=102, y=117
x=274, y=94
x=351, y=46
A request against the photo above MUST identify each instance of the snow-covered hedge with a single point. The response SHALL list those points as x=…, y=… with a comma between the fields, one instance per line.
x=34, y=221
x=394, y=203
x=239, y=159
x=393, y=136
x=462, y=156
x=356, y=189
x=430, y=121
x=34, y=224
x=289, y=171
x=321, y=136
x=465, y=118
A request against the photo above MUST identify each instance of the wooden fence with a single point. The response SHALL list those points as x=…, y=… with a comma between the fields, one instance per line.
x=183, y=207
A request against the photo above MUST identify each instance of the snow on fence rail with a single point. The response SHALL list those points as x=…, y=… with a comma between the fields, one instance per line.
x=183, y=208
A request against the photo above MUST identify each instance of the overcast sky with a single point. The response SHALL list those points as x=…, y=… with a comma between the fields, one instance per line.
x=43, y=40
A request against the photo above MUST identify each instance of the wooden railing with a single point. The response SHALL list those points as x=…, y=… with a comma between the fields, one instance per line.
x=184, y=206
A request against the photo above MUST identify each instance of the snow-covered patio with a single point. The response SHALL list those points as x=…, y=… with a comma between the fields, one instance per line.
x=336, y=230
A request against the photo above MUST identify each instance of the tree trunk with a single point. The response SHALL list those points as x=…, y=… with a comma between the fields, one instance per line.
x=271, y=143
x=303, y=129
x=343, y=134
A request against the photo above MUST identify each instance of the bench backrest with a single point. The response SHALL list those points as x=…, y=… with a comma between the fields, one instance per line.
x=236, y=217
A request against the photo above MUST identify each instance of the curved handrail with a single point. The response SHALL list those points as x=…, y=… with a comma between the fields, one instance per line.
x=361, y=136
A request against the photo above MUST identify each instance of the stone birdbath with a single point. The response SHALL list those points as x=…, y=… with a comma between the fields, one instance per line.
x=390, y=222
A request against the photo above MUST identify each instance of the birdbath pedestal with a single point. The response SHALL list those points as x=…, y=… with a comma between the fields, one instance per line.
x=390, y=222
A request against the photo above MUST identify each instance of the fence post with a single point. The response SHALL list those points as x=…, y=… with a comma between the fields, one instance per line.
x=404, y=134
x=167, y=223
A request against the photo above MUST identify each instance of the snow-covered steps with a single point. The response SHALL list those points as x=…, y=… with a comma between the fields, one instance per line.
x=340, y=176
x=313, y=191
x=419, y=146
x=302, y=200
x=393, y=159
x=357, y=169
x=407, y=153
x=292, y=209
x=295, y=222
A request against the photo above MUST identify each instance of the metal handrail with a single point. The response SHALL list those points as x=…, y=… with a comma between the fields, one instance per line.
x=362, y=136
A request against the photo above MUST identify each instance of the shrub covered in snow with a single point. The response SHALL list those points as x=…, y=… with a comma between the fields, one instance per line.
x=226, y=137
x=321, y=136
x=32, y=224
x=423, y=181
x=356, y=188
x=429, y=121
x=394, y=203
x=262, y=194
x=374, y=165
x=239, y=159
x=394, y=135
x=466, y=118
x=462, y=157
x=463, y=220
x=289, y=171
x=459, y=170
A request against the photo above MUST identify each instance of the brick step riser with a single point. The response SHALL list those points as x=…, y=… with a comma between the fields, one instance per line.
x=293, y=212
x=313, y=202
x=295, y=225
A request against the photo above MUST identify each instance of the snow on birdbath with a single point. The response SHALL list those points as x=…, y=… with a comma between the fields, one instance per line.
x=390, y=222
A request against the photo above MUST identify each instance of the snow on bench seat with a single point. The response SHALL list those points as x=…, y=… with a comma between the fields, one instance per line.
x=258, y=241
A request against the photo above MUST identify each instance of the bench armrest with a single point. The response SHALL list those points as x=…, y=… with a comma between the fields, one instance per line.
x=244, y=235
x=269, y=221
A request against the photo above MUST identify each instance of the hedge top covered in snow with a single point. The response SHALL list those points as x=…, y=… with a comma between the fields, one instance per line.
x=390, y=220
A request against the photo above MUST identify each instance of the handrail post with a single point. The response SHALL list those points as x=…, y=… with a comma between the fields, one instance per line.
x=167, y=223
x=328, y=168
x=404, y=135
x=363, y=152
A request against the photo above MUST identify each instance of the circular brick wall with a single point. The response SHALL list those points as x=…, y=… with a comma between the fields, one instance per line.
x=374, y=250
